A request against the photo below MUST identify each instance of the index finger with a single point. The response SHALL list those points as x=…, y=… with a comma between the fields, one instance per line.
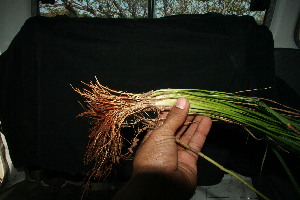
x=198, y=138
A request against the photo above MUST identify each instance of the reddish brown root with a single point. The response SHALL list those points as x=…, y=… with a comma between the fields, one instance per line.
x=108, y=109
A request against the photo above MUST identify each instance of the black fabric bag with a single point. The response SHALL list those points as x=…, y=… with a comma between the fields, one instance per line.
x=39, y=108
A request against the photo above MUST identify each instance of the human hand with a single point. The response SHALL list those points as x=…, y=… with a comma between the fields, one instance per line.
x=159, y=153
x=161, y=168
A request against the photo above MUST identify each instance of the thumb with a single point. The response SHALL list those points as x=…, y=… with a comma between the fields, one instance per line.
x=176, y=116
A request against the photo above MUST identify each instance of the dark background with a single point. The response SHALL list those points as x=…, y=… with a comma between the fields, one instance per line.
x=213, y=52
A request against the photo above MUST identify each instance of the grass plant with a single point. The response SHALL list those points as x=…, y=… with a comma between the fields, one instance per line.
x=110, y=110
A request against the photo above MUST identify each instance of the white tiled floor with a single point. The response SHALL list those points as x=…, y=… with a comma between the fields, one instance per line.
x=229, y=189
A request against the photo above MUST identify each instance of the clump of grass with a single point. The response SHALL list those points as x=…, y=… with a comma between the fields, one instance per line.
x=110, y=110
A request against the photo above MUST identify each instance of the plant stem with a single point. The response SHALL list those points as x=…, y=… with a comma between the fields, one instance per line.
x=287, y=170
x=220, y=167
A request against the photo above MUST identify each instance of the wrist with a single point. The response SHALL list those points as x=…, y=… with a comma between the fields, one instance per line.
x=153, y=185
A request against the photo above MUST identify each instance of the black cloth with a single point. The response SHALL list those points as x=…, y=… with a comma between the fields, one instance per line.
x=35, y=190
x=39, y=108
x=287, y=70
x=287, y=67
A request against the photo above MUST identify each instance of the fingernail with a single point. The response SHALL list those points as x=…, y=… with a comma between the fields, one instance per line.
x=181, y=103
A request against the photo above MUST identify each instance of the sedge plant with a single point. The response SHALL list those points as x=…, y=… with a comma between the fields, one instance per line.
x=110, y=110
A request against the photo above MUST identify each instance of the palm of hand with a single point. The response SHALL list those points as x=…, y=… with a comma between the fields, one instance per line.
x=159, y=153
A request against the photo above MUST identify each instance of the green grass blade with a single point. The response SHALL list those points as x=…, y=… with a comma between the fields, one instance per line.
x=287, y=170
